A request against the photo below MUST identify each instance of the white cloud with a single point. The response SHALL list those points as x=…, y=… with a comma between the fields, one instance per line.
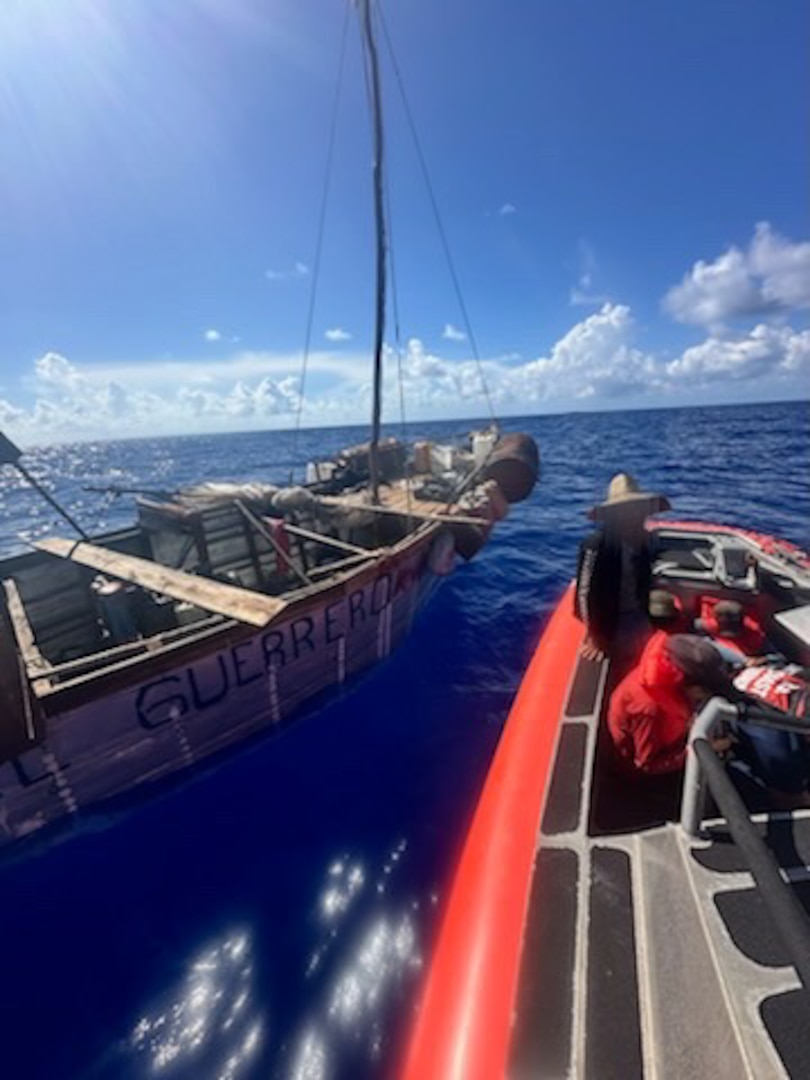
x=163, y=375
x=297, y=270
x=766, y=352
x=597, y=361
x=583, y=294
x=337, y=334
x=506, y=209
x=212, y=335
x=596, y=358
x=69, y=402
x=452, y=333
x=53, y=370
x=772, y=276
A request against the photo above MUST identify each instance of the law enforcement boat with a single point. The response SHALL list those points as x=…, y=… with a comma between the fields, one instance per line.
x=588, y=935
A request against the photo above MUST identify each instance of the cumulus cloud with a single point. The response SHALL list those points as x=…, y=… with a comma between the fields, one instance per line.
x=69, y=401
x=771, y=276
x=54, y=370
x=765, y=352
x=598, y=360
x=212, y=335
x=506, y=209
x=452, y=333
x=338, y=334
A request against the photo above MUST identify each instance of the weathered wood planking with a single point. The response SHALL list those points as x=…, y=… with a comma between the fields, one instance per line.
x=34, y=660
x=447, y=517
x=236, y=603
x=143, y=715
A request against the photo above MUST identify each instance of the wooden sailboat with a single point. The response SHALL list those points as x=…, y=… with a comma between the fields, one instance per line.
x=129, y=656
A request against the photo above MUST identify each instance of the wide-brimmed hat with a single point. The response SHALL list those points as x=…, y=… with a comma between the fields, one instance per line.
x=623, y=491
x=702, y=665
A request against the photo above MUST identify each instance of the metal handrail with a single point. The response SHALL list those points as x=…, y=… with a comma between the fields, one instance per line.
x=787, y=914
x=709, y=721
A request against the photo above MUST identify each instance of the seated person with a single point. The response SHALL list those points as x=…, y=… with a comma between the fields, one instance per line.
x=729, y=627
x=651, y=709
x=666, y=613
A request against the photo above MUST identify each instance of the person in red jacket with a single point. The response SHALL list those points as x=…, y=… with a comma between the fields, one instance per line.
x=651, y=709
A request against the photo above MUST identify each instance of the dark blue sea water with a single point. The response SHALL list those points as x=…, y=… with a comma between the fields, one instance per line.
x=271, y=915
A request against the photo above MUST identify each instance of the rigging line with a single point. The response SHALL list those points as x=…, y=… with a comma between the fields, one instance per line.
x=316, y=266
x=437, y=215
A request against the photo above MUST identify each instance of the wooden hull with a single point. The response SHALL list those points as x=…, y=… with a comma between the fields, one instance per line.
x=151, y=716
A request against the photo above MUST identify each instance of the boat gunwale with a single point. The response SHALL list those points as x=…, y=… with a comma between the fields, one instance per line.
x=60, y=697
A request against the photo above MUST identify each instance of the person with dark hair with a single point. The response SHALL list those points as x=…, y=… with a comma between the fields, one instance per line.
x=652, y=708
x=665, y=612
x=614, y=572
x=728, y=625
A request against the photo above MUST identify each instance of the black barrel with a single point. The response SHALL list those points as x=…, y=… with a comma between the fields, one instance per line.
x=514, y=465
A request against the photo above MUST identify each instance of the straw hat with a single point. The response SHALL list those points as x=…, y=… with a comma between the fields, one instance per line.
x=623, y=491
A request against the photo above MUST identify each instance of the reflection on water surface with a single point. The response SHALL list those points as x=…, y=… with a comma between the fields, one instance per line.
x=212, y=1010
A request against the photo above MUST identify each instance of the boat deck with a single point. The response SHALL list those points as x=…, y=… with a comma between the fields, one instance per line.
x=648, y=953
x=397, y=496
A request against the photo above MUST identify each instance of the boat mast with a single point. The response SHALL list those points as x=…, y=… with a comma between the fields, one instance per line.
x=379, y=223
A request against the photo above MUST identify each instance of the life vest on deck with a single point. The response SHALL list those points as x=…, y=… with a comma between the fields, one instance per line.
x=776, y=687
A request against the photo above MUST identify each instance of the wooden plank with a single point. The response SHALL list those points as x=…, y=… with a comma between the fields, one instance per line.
x=241, y=604
x=329, y=541
x=343, y=564
x=104, y=657
x=35, y=662
x=419, y=515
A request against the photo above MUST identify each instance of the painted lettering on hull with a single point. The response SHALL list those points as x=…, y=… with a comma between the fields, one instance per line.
x=158, y=726
x=212, y=682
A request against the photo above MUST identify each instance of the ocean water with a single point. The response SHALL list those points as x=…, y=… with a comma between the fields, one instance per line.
x=270, y=915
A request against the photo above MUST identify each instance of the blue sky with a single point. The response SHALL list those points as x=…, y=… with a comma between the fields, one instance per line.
x=624, y=186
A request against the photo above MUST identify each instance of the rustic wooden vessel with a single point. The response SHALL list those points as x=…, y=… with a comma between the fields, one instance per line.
x=136, y=654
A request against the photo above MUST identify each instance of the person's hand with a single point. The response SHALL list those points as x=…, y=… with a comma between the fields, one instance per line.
x=755, y=661
x=721, y=744
x=589, y=650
